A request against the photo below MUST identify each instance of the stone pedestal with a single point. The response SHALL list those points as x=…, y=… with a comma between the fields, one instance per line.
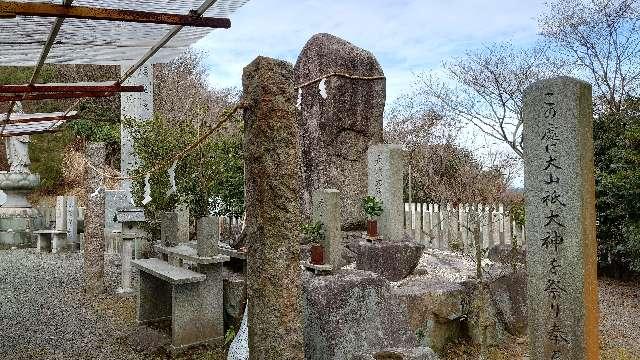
x=17, y=217
x=126, y=254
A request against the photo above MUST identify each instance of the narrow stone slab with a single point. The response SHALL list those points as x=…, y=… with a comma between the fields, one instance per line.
x=189, y=253
x=326, y=209
x=560, y=208
x=167, y=272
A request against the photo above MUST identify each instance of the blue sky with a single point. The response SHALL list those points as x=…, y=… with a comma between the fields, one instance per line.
x=407, y=36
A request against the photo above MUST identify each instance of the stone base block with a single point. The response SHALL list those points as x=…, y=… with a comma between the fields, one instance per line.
x=352, y=312
x=392, y=260
x=419, y=353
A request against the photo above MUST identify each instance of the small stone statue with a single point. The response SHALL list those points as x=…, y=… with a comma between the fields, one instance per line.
x=18, y=154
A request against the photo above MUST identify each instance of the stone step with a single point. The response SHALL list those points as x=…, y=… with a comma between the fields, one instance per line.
x=168, y=272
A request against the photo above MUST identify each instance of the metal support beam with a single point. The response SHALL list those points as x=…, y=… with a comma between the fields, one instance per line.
x=162, y=42
x=34, y=132
x=37, y=118
x=94, y=13
x=68, y=88
x=52, y=96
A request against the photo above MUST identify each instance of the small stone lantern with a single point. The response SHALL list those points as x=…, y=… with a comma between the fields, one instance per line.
x=132, y=220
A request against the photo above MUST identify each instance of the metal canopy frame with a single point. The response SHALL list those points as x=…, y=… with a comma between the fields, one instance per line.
x=26, y=92
x=13, y=8
x=27, y=124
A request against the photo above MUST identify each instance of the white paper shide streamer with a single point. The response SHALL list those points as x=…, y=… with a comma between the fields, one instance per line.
x=147, y=190
x=96, y=193
x=323, y=88
x=299, y=103
x=171, y=172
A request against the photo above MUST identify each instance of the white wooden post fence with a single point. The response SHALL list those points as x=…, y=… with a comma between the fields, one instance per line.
x=448, y=227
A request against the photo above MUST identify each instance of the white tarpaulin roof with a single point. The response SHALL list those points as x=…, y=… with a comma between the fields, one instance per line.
x=102, y=42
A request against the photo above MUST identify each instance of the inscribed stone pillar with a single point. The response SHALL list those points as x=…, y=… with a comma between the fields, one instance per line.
x=386, y=184
x=138, y=106
x=72, y=219
x=61, y=214
x=560, y=208
x=337, y=127
x=94, y=221
x=326, y=209
x=208, y=235
x=273, y=213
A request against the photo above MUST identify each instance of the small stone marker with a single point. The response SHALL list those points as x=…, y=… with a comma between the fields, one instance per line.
x=560, y=208
x=114, y=200
x=208, y=235
x=337, y=129
x=72, y=219
x=326, y=209
x=61, y=214
x=169, y=228
x=273, y=181
x=386, y=184
x=94, y=221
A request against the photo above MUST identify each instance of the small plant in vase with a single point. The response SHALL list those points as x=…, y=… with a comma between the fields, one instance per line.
x=314, y=232
x=372, y=208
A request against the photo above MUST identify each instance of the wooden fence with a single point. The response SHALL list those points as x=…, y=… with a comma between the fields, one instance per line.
x=448, y=227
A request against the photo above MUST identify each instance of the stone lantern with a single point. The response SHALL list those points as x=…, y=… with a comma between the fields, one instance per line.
x=133, y=234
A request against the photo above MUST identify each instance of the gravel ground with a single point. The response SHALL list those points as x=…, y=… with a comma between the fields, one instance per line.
x=45, y=315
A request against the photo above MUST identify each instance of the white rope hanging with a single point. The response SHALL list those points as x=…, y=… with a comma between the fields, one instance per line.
x=299, y=103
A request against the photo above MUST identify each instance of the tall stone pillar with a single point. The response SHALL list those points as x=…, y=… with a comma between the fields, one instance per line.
x=138, y=106
x=386, y=183
x=273, y=214
x=94, y=221
x=560, y=208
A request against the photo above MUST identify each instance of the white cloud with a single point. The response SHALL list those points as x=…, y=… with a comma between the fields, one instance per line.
x=406, y=35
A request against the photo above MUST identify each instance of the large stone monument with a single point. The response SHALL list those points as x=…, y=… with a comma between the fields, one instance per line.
x=339, y=124
x=17, y=218
x=560, y=208
x=273, y=214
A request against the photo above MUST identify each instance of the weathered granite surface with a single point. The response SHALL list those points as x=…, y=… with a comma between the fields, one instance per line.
x=352, y=312
x=273, y=182
x=94, y=221
x=560, y=207
x=441, y=300
x=419, y=353
x=336, y=131
x=392, y=260
x=207, y=235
